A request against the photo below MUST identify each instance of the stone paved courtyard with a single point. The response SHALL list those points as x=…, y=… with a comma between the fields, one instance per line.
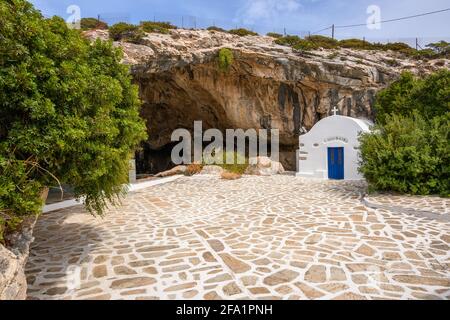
x=255, y=238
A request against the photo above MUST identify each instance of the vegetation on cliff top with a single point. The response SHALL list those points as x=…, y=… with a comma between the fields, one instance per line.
x=69, y=114
x=242, y=32
x=135, y=33
x=92, y=23
x=126, y=32
x=157, y=27
x=435, y=50
x=409, y=149
x=214, y=28
x=274, y=35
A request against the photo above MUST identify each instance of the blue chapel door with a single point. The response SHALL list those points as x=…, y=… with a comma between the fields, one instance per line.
x=336, y=163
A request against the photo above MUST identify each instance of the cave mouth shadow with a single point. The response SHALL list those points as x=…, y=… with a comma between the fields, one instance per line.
x=153, y=161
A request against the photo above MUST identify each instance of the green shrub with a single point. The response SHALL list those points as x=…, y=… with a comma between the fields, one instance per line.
x=317, y=41
x=242, y=32
x=214, y=28
x=238, y=164
x=305, y=45
x=309, y=43
x=126, y=32
x=408, y=154
x=69, y=113
x=428, y=96
x=323, y=42
x=431, y=96
x=409, y=150
x=355, y=44
x=288, y=40
x=441, y=48
x=156, y=27
x=274, y=35
x=163, y=24
x=395, y=98
x=92, y=23
x=359, y=44
x=225, y=59
x=424, y=54
x=19, y=195
x=236, y=167
x=397, y=46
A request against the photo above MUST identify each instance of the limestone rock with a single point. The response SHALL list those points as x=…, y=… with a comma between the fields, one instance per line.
x=13, y=283
x=172, y=172
x=264, y=166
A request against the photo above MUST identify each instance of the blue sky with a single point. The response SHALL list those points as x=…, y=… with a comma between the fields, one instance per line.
x=297, y=16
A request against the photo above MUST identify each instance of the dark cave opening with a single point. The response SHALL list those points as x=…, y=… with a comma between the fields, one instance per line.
x=152, y=161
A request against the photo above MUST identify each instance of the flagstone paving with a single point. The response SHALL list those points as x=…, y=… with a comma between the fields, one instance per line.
x=255, y=238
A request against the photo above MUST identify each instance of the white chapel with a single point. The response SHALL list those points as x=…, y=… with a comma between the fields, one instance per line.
x=330, y=149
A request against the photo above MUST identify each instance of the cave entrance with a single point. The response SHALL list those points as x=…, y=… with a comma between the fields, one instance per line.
x=152, y=161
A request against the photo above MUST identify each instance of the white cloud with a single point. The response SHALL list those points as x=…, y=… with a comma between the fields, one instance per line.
x=255, y=11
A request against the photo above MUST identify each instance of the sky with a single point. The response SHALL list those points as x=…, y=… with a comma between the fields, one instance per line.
x=296, y=16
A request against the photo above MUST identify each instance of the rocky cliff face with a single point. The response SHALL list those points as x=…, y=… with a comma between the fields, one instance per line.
x=267, y=86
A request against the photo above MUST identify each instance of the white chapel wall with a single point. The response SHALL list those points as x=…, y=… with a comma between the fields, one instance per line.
x=334, y=131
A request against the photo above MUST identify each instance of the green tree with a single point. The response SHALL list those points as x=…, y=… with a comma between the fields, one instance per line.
x=68, y=112
x=409, y=149
x=395, y=98
x=441, y=47
x=408, y=154
x=429, y=96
